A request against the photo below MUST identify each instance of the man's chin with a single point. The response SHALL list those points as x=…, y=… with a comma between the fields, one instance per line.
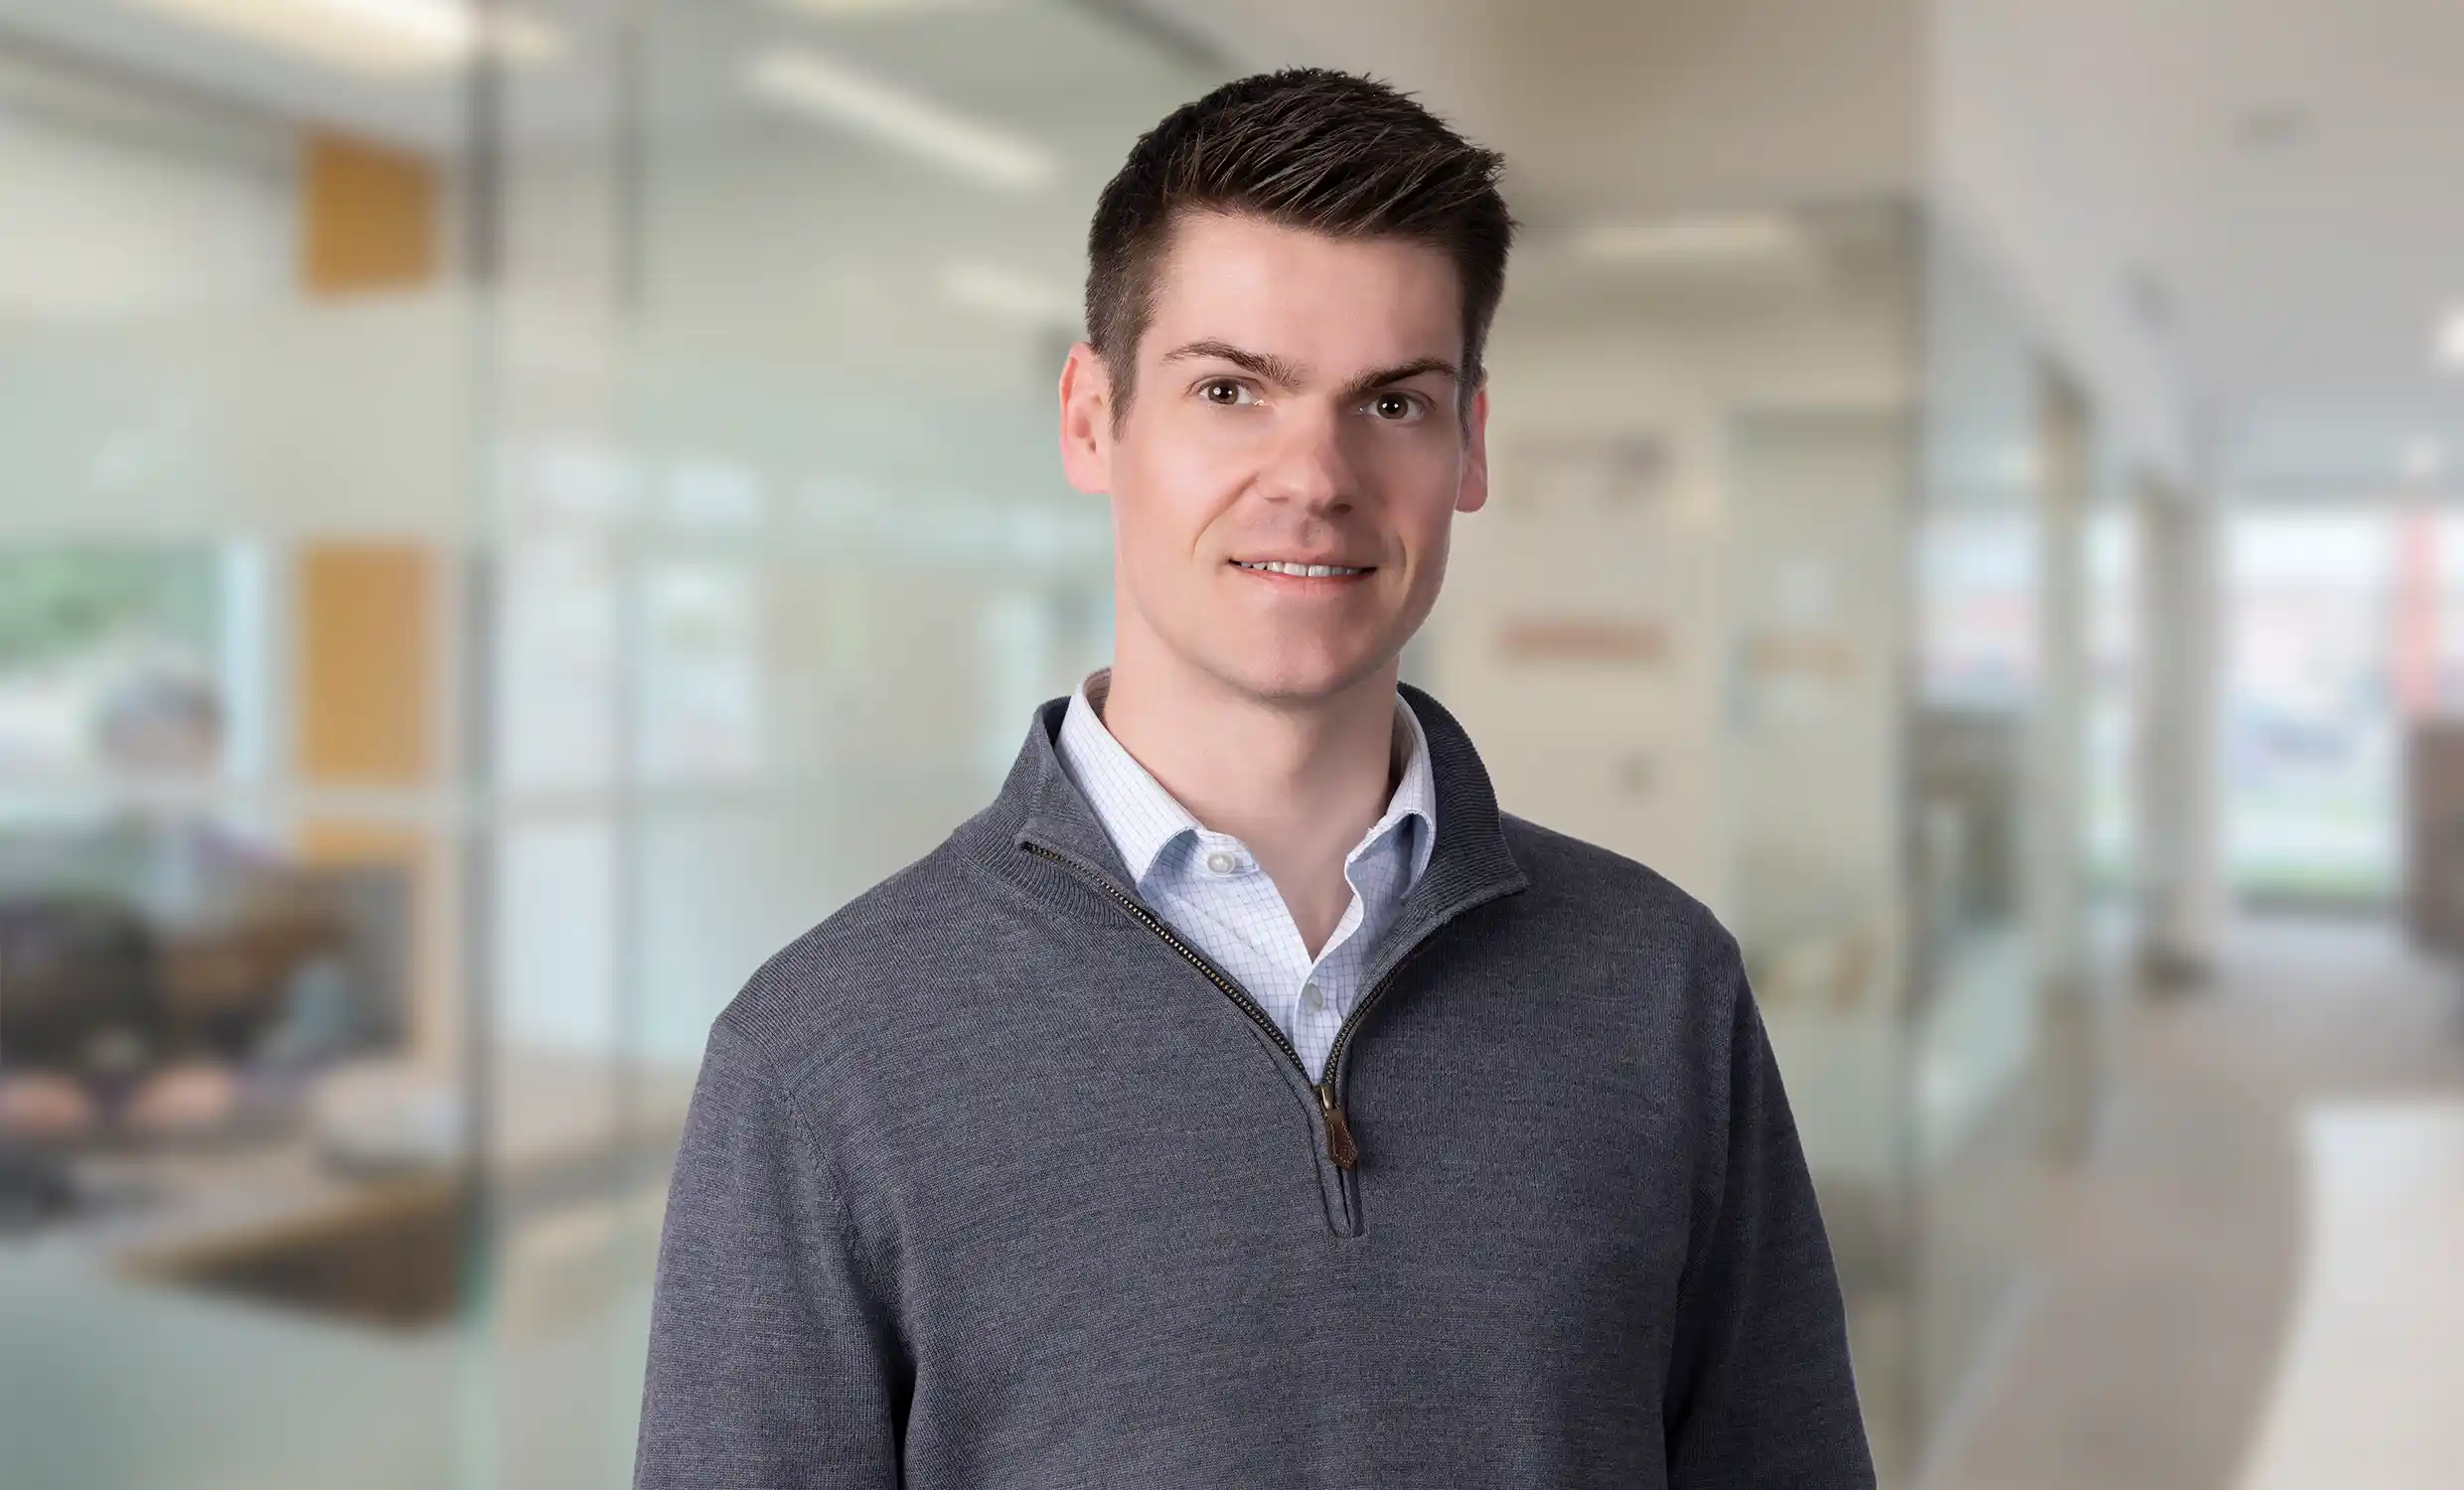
x=1298, y=681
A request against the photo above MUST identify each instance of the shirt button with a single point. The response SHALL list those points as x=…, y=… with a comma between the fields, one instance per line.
x=1311, y=997
x=1221, y=862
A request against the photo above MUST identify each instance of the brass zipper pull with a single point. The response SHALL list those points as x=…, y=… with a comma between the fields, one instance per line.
x=1340, y=1145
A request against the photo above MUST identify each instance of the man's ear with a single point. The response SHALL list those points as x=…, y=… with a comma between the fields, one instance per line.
x=1473, y=495
x=1086, y=421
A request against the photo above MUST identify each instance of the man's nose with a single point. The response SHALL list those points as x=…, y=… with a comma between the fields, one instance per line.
x=1311, y=466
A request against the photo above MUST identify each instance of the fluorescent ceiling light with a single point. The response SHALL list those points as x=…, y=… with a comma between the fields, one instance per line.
x=837, y=8
x=2451, y=341
x=1009, y=295
x=1694, y=239
x=808, y=83
x=374, y=36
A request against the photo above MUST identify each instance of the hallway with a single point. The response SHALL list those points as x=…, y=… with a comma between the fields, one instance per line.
x=2279, y=1191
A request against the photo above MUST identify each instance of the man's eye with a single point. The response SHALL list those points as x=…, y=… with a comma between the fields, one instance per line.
x=1223, y=390
x=1396, y=408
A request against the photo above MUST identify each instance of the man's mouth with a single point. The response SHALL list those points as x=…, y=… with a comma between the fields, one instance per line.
x=1300, y=570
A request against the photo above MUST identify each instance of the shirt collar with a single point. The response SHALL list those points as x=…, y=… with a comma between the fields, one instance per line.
x=1415, y=796
x=1143, y=820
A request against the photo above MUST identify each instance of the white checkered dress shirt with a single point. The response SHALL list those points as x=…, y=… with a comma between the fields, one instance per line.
x=1209, y=887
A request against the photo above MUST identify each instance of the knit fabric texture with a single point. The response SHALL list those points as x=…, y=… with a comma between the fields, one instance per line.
x=987, y=1182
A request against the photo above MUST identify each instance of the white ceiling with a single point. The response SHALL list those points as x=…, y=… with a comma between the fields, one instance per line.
x=2279, y=171
x=215, y=75
x=2313, y=268
x=1619, y=107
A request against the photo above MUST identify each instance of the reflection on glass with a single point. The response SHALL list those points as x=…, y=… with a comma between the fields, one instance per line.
x=1978, y=551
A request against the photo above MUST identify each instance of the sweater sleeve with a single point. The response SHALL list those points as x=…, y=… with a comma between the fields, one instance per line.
x=773, y=1360
x=1760, y=1391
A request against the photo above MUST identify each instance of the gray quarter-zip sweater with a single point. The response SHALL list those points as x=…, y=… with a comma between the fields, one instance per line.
x=991, y=1180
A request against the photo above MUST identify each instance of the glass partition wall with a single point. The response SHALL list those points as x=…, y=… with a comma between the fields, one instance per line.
x=237, y=405
x=1986, y=851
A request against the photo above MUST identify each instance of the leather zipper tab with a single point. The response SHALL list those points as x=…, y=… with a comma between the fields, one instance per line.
x=1340, y=1145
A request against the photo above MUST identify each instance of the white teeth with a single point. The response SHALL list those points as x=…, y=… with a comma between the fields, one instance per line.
x=1303, y=572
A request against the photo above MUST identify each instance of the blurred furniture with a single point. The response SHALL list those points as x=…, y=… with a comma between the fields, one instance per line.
x=284, y=969
x=294, y=964
x=79, y=983
x=384, y=1252
x=282, y=1224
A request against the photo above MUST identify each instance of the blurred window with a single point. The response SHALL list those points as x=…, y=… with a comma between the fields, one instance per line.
x=2311, y=730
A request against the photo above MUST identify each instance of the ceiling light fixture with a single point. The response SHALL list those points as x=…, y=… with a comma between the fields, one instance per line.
x=810, y=85
x=836, y=9
x=1693, y=239
x=374, y=36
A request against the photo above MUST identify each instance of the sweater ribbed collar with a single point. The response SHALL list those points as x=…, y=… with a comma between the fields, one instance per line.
x=1470, y=863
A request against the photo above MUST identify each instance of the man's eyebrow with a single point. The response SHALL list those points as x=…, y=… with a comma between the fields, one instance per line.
x=1371, y=381
x=1289, y=375
x=1265, y=364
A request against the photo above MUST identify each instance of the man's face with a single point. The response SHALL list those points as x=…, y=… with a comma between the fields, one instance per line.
x=1295, y=404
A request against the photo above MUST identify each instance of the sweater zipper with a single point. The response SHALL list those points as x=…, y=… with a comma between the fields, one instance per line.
x=1340, y=1146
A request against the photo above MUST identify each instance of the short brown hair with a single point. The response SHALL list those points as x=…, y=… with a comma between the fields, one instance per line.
x=1303, y=147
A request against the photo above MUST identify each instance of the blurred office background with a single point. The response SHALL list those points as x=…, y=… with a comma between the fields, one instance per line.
x=510, y=513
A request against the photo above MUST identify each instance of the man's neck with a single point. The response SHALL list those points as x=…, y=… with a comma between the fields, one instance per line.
x=1300, y=785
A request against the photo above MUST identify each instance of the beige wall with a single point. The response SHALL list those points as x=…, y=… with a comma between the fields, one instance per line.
x=1643, y=757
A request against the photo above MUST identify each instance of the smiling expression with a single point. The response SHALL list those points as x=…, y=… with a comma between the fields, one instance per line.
x=1286, y=473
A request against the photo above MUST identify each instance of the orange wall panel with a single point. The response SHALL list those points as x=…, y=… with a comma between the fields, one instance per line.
x=366, y=670
x=368, y=217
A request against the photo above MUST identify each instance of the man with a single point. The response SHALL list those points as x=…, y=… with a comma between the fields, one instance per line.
x=1241, y=1098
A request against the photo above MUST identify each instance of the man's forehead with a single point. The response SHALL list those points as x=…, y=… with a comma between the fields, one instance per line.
x=1336, y=305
